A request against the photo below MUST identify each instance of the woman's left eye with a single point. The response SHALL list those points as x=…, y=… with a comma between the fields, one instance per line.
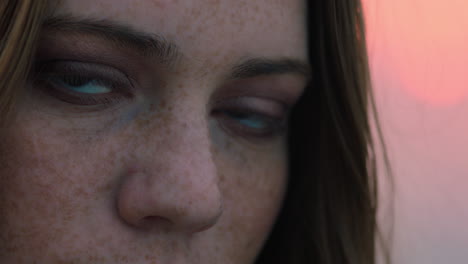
x=252, y=117
x=250, y=120
x=81, y=83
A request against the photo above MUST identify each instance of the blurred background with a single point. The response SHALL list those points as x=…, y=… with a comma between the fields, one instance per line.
x=418, y=53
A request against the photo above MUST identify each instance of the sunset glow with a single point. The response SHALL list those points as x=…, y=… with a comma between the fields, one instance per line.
x=423, y=43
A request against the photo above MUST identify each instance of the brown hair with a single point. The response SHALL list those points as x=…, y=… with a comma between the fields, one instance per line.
x=19, y=27
x=329, y=214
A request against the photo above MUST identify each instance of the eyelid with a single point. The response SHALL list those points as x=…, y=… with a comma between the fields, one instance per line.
x=49, y=73
x=91, y=70
x=285, y=89
x=256, y=105
x=271, y=114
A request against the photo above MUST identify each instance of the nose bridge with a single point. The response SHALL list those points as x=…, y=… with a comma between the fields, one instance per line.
x=176, y=178
x=185, y=145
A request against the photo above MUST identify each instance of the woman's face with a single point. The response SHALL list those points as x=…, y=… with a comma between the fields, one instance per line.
x=154, y=132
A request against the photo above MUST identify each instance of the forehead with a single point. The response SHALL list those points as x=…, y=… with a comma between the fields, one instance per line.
x=209, y=28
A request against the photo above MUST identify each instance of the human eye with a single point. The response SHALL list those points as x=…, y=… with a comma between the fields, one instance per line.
x=82, y=83
x=253, y=117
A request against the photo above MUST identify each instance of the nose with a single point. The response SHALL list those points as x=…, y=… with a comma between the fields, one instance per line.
x=174, y=185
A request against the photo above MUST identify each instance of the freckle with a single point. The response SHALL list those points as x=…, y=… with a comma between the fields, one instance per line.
x=180, y=28
x=105, y=188
x=152, y=106
x=159, y=4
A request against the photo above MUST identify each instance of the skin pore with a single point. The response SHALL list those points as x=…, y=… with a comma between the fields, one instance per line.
x=152, y=132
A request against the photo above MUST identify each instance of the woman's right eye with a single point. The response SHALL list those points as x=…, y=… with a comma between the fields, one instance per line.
x=81, y=83
x=253, y=117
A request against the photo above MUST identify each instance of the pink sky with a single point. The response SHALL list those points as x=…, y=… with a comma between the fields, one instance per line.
x=419, y=60
x=424, y=43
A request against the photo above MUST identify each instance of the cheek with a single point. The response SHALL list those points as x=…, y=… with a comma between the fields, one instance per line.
x=47, y=184
x=55, y=186
x=253, y=189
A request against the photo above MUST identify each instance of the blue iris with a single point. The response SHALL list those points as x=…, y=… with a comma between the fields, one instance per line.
x=253, y=122
x=249, y=120
x=86, y=86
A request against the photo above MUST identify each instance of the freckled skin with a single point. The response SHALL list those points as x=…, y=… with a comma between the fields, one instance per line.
x=154, y=182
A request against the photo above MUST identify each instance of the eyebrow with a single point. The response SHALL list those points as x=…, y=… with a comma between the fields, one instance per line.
x=166, y=51
x=118, y=34
x=264, y=66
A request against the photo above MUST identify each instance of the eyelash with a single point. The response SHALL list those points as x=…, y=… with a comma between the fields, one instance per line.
x=242, y=110
x=54, y=76
x=240, y=115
